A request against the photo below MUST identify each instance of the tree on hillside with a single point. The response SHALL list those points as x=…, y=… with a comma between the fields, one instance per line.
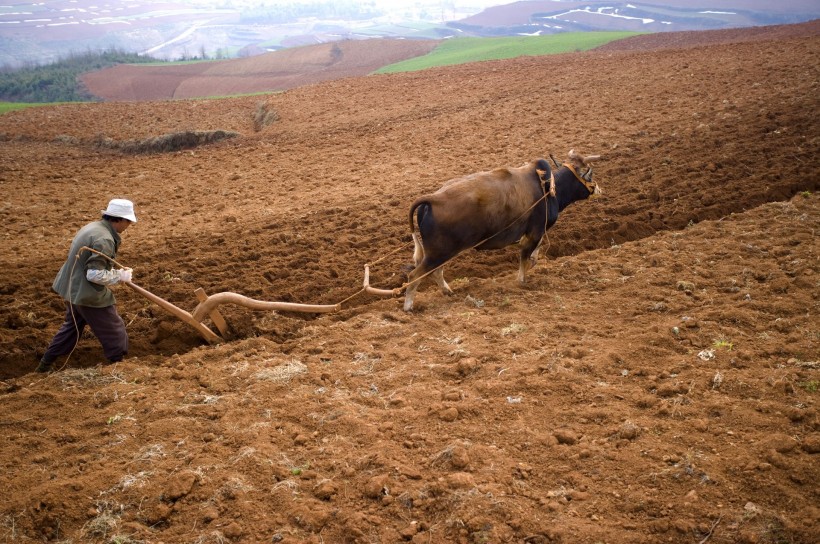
x=59, y=81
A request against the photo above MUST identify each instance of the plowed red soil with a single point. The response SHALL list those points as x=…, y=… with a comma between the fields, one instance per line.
x=656, y=380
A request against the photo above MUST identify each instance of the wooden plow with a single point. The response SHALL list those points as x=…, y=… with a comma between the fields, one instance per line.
x=208, y=306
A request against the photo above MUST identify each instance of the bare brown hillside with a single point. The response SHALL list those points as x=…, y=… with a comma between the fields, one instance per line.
x=656, y=380
x=677, y=40
x=277, y=71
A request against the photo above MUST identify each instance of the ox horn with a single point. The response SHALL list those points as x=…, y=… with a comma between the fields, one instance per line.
x=588, y=175
x=590, y=158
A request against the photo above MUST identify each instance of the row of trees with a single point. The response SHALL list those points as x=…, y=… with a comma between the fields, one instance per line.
x=58, y=81
x=288, y=12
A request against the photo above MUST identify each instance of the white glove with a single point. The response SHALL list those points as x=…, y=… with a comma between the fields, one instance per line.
x=125, y=275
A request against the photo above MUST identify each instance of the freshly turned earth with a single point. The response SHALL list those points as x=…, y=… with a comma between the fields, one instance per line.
x=655, y=380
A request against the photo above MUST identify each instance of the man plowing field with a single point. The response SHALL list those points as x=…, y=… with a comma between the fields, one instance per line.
x=84, y=280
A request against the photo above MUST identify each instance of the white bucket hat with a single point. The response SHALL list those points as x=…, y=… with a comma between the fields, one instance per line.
x=119, y=207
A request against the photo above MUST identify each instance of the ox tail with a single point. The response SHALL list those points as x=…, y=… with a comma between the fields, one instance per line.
x=413, y=207
x=418, y=249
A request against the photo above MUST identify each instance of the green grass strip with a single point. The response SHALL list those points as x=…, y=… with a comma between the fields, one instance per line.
x=462, y=50
x=6, y=107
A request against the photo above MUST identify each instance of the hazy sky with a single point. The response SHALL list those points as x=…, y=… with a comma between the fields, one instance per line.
x=477, y=5
x=449, y=9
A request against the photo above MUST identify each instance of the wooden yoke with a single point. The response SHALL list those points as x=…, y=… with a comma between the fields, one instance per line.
x=375, y=291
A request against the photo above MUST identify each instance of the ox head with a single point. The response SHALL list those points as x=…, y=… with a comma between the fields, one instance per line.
x=581, y=166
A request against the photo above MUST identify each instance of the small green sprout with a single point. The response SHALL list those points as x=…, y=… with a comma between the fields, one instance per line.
x=810, y=386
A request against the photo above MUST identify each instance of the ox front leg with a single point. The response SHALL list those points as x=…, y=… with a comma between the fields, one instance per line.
x=528, y=258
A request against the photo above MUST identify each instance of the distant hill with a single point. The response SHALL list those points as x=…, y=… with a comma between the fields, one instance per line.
x=34, y=32
x=546, y=17
x=276, y=71
x=299, y=66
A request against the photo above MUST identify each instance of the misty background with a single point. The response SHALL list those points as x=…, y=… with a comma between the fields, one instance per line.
x=39, y=32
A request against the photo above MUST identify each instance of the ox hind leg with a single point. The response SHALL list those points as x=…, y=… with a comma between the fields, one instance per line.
x=438, y=275
x=418, y=249
x=417, y=276
x=413, y=281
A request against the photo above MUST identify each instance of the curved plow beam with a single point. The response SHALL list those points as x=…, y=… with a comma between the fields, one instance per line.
x=206, y=333
x=208, y=306
x=211, y=302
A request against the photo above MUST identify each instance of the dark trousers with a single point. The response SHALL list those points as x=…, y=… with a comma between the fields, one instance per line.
x=105, y=323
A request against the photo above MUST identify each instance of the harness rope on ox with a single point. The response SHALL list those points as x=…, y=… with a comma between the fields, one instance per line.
x=588, y=184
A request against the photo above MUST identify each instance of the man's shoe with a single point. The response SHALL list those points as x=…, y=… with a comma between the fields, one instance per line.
x=45, y=365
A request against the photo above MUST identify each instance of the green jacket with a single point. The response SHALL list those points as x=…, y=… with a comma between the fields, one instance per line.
x=71, y=283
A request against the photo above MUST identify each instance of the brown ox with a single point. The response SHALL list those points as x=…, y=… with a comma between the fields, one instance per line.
x=492, y=210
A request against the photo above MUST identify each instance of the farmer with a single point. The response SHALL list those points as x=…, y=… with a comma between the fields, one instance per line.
x=83, y=282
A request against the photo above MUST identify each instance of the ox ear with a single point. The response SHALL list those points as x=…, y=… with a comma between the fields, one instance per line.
x=576, y=159
x=580, y=161
x=588, y=175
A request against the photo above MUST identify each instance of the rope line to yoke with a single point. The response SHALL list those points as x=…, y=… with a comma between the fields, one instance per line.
x=383, y=257
x=380, y=259
x=101, y=254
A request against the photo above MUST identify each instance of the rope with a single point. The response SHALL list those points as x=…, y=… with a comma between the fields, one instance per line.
x=354, y=295
x=380, y=259
x=71, y=310
x=404, y=285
